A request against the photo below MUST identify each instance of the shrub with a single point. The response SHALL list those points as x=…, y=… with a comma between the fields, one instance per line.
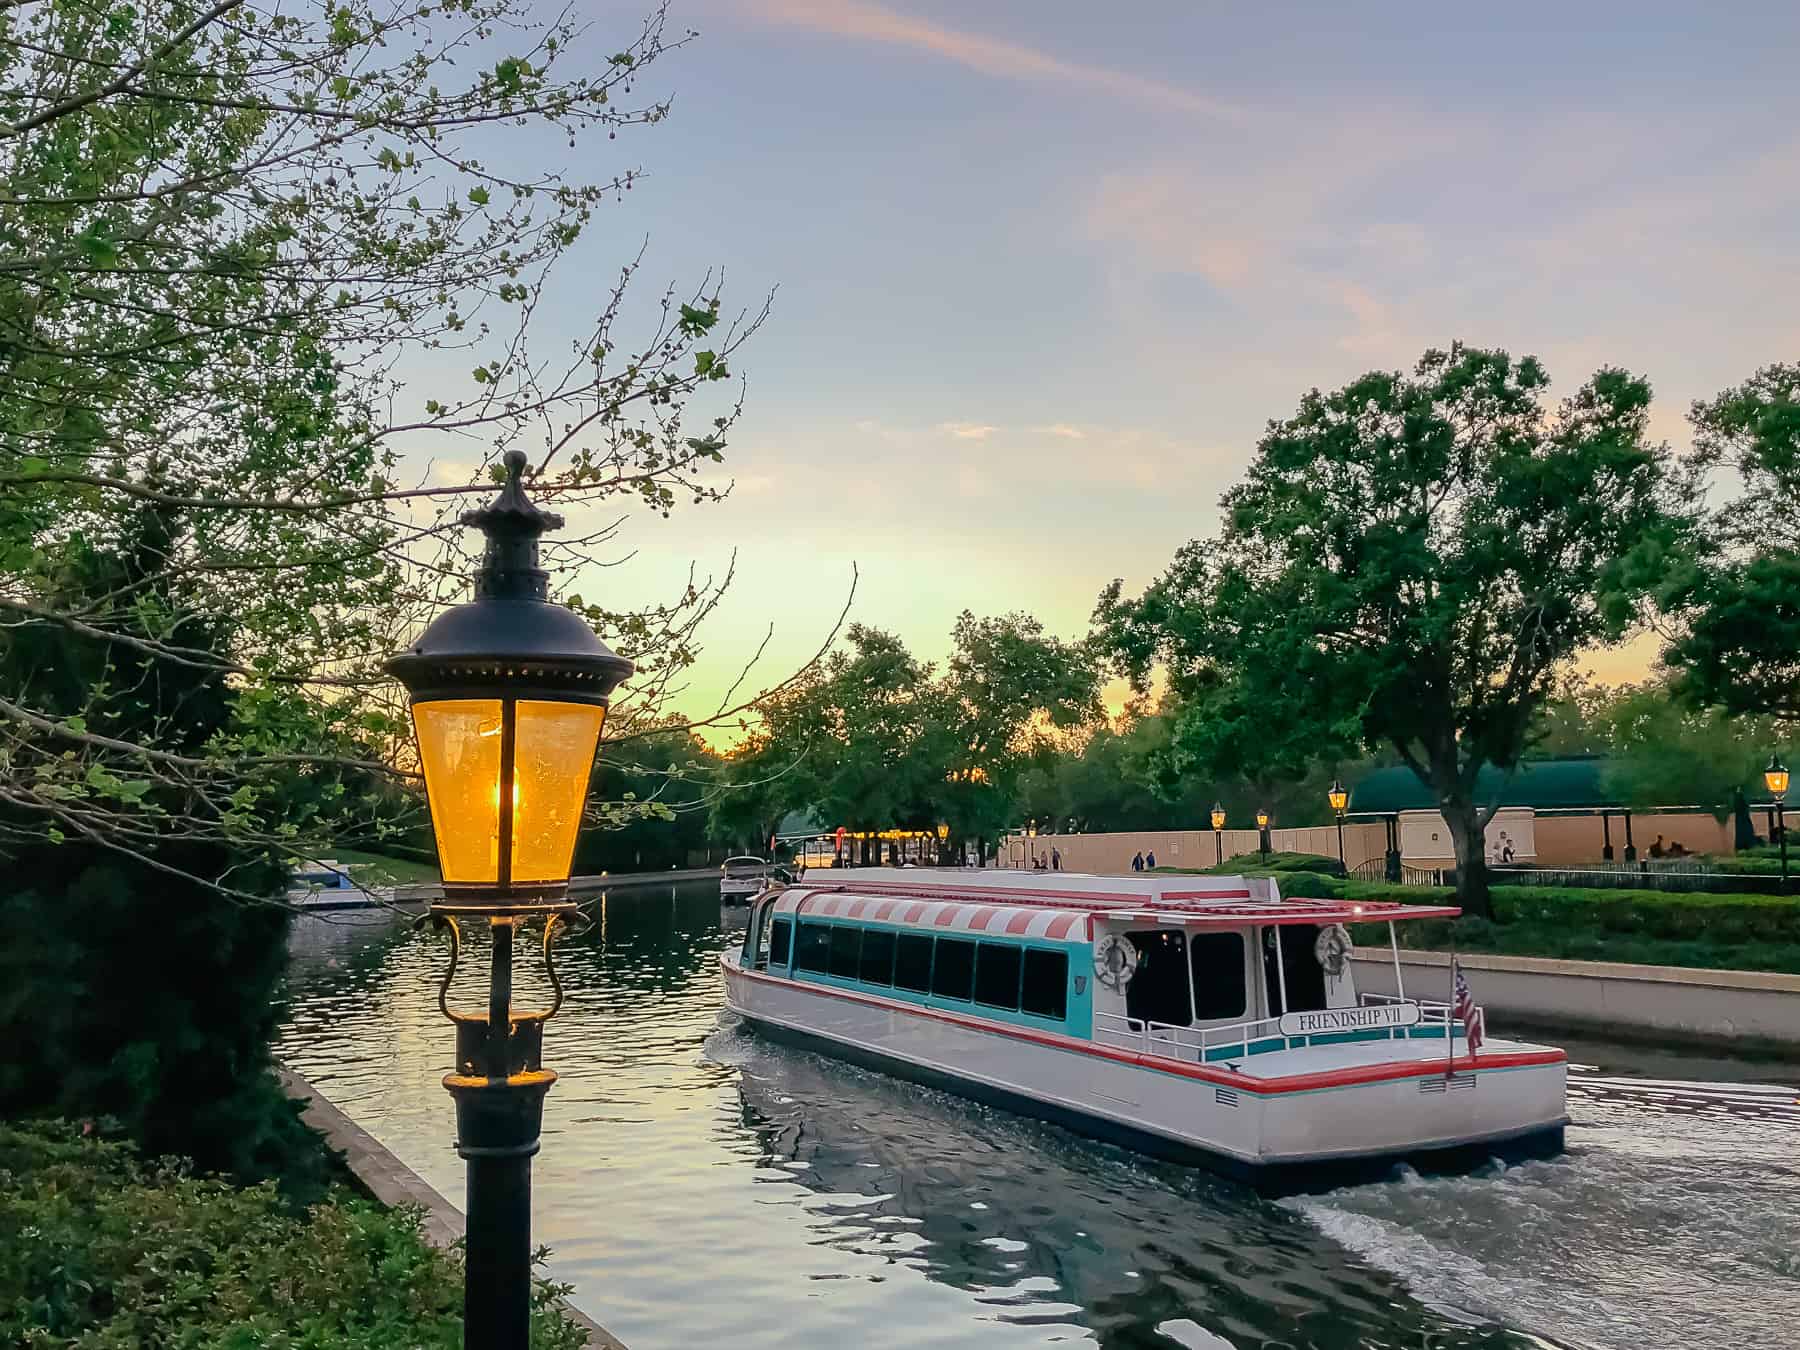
x=99, y=1249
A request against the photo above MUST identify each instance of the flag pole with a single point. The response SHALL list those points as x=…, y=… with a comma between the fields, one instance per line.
x=1450, y=1021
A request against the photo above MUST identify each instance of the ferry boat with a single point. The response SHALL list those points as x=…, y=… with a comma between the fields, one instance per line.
x=1204, y=1019
x=742, y=877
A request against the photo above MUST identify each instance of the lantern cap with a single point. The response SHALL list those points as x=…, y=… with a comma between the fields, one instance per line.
x=510, y=640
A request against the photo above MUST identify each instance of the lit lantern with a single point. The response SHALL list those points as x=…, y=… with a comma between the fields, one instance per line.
x=509, y=694
x=1218, y=816
x=1776, y=777
x=943, y=832
x=1262, y=819
x=1337, y=796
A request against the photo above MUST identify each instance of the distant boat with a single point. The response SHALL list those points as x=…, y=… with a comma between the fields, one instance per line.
x=742, y=877
x=1206, y=1019
x=326, y=884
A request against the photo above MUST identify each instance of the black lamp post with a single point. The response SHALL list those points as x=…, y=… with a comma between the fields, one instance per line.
x=1339, y=799
x=509, y=693
x=1262, y=827
x=1218, y=824
x=1775, y=778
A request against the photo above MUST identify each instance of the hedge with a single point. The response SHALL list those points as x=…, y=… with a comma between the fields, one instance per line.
x=1716, y=932
x=101, y=1249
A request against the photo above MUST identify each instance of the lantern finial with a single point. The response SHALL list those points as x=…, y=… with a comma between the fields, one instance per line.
x=512, y=523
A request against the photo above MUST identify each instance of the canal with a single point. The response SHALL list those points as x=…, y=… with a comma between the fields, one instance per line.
x=701, y=1187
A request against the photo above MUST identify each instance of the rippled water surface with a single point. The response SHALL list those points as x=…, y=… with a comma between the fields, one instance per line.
x=701, y=1187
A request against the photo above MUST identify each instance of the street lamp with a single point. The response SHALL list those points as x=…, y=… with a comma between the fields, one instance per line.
x=509, y=693
x=1218, y=823
x=1262, y=827
x=1339, y=800
x=943, y=834
x=1775, y=778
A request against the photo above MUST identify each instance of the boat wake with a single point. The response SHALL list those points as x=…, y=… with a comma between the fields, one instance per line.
x=1674, y=1220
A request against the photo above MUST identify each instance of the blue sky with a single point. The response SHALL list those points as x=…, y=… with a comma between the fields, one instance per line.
x=1045, y=270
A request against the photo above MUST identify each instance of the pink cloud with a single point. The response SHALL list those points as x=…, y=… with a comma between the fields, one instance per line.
x=988, y=55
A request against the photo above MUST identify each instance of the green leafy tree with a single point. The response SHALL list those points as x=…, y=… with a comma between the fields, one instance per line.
x=1738, y=644
x=1408, y=564
x=255, y=261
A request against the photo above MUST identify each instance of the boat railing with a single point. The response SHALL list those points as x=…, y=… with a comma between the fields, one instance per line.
x=1198, y=1045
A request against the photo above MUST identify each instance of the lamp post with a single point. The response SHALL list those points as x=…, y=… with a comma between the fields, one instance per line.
x=1339, y=799
x=1218, y=824
x=1775, y=778
x=509, y=693
x=1262, y=832
x=943, y=834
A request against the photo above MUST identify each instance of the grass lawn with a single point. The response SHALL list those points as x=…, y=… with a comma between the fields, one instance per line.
x=377, y=869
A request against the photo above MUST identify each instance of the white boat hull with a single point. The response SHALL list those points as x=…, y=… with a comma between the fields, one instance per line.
x=1278, y=1128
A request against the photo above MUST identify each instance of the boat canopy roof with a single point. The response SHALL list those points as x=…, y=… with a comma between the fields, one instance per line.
x=1033, y=904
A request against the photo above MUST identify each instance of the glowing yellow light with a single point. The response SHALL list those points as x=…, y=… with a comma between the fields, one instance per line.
x=1776, y=777
x=1218, y=816
x=1337, y=796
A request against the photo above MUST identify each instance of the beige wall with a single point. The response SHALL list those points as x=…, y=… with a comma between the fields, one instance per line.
x=1194, y=848
x=1565, y=840
x=1560, y=841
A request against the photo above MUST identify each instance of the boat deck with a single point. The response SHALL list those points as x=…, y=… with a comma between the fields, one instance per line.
x=1409, y=1054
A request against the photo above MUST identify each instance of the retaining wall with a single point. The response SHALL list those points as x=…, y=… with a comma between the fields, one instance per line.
x=1749, y=1011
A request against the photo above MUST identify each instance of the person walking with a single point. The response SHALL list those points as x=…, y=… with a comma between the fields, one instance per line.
x=1056, y=860
x=1150, y=861
x=1137, y=861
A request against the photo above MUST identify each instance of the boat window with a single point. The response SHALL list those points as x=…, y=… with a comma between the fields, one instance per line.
x=997, y=976
x=1158, y=991
x=756, y=936
x=877, y=956
x=747, y=954
x=1300, y=969
x=953, y=970
x=813, y=950
x=912, y=963
x=1219, y=988
x=779, y=933
x=1045, y=991
x=846, y=951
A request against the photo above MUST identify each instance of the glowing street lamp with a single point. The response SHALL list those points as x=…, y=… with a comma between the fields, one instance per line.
x=509, y=693
x=1340, y=800
x=1775, y=778
x=1218, y=824
x=1262, y=827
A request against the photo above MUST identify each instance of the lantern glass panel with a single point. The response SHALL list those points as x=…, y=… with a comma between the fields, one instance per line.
x=552, y=758
x=1777, y=780
x=459, y=744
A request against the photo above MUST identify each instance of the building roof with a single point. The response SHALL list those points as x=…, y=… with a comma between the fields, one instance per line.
x=1547, y=784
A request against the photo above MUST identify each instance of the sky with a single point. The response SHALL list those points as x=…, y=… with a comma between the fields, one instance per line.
x=1043, y=271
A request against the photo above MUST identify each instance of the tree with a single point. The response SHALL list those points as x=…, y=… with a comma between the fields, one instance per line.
x=1408, y=564
x=876, y=739
x=1738, y=645
x=252, y=257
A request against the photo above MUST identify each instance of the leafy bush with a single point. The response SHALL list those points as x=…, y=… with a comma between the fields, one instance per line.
x=100, y=1250
x=1255, y=864
x=1717, y=932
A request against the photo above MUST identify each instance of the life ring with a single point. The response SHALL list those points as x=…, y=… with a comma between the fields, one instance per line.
x=1332, y=949
x=1115, y=962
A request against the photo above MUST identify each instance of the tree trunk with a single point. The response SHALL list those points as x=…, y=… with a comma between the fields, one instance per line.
x=1469, y=835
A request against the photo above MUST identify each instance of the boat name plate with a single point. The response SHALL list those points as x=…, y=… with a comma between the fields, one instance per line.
x=1324, y=1020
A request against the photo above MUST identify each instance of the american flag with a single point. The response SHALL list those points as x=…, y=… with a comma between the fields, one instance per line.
x=1464, y=1005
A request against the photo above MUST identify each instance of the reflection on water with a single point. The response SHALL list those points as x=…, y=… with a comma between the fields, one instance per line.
x=699, y=1184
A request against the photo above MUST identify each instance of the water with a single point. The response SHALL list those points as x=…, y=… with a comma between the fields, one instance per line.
x=700, y=1186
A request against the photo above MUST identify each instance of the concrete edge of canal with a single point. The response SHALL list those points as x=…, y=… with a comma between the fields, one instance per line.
x=393, y=1183
x=1739, y=1011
